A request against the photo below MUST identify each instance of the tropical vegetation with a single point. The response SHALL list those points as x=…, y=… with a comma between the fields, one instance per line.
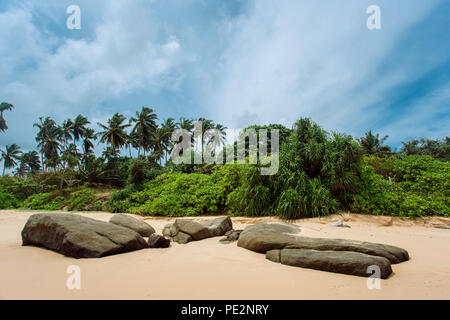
x=126, y=166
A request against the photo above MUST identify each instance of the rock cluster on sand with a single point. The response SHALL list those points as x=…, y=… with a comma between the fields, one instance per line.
x=281, y=243
x=80, y=237
x=184, y=231
x=144, y=229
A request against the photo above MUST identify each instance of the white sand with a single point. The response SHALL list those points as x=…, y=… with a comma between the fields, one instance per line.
x=210, y=270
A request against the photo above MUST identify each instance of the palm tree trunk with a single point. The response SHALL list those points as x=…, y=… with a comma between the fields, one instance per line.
x=42, y=162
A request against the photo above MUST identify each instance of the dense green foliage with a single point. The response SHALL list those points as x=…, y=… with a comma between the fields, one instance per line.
x=416, y=186
x=319, y=172
x=435, y=148
x=8, y=201
x=44, y=201
x=180, y=194
x=84, y=200
x=317, y=175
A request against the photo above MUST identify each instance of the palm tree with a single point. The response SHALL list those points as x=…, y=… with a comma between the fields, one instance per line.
x=48, y=139
x=29, y=163
x=168, y=128
x=186, y=124
x=110, y=153
x=51, y=147
x=159, y=143
x=114, y=133
x=144, y=128
x=79, y=127
x=132, y=141
x=88, y=145
x=372, y=144
x=31, y=160
x=220, y=139
x=66, y=132
x=4, y=106
x=206, y=126
x=9, y=156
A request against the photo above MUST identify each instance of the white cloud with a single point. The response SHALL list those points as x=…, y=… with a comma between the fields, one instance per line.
x=128, y=52
x=291, y=59
x=276, y=62
x=425, y=118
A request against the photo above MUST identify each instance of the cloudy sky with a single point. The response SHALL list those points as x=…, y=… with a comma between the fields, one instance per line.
x=238, y=62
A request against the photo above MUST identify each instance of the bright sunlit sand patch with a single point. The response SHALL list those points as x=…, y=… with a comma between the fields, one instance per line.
x=208, y=269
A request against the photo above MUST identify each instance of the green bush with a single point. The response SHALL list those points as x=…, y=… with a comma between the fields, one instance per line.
x=179, y=194
x=119, y=202
x=318, y=174
x=44, y=201
x=376, y=195
x=84, y=200
x=422, y=174
x=23, y=188
x=8, y=201
x=419, y=187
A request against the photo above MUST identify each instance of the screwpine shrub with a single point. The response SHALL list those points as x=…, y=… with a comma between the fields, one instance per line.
x=318, y=174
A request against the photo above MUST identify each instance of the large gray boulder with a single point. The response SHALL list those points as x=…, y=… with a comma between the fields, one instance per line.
x=346, y=262
x=196, y=230
x=79, y=237
x=219, y=226
x=184, y=231
x=264, y=237
x=144, y=229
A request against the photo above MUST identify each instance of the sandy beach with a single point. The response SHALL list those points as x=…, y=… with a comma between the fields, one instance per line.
x=210, y=270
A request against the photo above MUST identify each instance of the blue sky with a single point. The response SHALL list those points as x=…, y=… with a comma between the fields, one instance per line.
x=237, y=62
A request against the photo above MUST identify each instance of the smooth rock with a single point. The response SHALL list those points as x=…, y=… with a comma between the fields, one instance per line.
x=231, y=236
x=442, y=227
x=183, y=231
x=264, y=237
x=196, y=230
x=346, y=262
x=182, y=238
x=79, y=237
x=144, y=229
x=158, y=241
x=218, y=226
